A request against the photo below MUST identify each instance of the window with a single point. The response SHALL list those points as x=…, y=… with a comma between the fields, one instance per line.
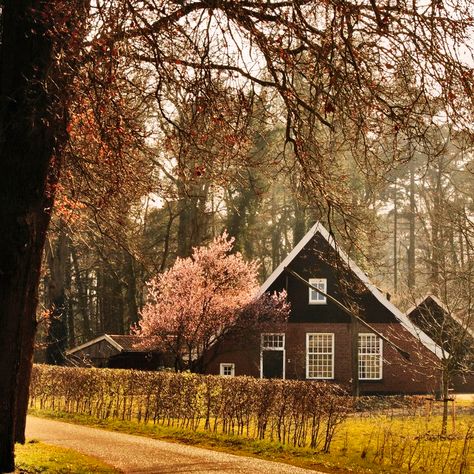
x=273, y=341
x=370, y=357
x=314, y=296
x=227, y=369
x=319, y=355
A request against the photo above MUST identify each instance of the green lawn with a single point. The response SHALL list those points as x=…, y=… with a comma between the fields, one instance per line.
x=35, y=457
x=363, y=444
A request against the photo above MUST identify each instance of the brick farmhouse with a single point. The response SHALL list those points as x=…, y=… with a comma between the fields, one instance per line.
x=317, y=342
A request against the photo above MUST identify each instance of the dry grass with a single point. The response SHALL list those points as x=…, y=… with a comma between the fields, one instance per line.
x=35, y=457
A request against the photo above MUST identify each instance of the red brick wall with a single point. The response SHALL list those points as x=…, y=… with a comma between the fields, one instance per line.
x=419, y=375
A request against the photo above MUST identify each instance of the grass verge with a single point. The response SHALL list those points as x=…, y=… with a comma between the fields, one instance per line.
x=363, y=445
x=35, y=457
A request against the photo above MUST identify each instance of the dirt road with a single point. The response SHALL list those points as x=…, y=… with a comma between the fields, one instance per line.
x=137, y=454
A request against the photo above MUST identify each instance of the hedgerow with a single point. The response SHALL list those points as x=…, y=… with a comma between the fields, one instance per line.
x=292, y=412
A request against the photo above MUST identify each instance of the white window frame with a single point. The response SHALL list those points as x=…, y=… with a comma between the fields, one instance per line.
x=273, y=347
x=320, y=283
x=367, y=354
x=318, y=334
x=226, y=365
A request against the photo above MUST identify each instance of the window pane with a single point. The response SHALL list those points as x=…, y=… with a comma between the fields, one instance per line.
x=315, y=296
x=370, y=357
x=227, y=369
x=273, y=341
x=320, y=355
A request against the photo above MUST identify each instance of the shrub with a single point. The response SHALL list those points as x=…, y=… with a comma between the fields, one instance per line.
x=295, y=413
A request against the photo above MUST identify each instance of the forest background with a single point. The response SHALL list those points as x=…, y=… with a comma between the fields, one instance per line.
x=217, y=165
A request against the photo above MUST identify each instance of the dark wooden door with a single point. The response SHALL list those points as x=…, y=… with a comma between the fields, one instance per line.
x=272, y=364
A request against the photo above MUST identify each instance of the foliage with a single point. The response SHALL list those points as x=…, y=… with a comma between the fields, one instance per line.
x=384, y=434
x=201, y=299
x=293, y=412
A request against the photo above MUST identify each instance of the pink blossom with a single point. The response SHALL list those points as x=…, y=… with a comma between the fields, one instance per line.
x=198, y=300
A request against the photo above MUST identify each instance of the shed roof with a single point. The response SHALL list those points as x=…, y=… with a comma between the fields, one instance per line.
x=425, y=301
x=123, y=343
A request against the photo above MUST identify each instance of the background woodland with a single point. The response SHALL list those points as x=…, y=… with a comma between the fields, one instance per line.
x=178, y=131
x=411, y=230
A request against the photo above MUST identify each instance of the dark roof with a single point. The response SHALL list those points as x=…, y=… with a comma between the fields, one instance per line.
x=136, y=343
x=433, y=306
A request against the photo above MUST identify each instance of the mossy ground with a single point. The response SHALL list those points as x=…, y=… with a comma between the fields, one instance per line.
x=35, y=457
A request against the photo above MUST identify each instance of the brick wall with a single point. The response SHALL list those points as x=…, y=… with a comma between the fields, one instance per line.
x=418, y=375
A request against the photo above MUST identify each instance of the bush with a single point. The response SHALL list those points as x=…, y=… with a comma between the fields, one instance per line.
x=295, y=413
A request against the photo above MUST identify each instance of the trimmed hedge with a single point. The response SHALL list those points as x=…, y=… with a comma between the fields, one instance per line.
x=296, y=413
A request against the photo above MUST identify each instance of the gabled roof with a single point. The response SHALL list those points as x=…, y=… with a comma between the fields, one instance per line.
x=441, y=305
x=401, y=317
x=424, y=299
x=123, y=343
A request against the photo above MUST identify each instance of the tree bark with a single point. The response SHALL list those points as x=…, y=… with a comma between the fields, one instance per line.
x=445, y=395
x=299, y=226
x=395, y=237
x=26, y=363
x=436, y=238
x=411, y=247
x=82, y=300
x=131, y=289
x=33, y=122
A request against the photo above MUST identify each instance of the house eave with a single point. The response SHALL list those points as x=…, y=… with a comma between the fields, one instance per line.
x=104, y=337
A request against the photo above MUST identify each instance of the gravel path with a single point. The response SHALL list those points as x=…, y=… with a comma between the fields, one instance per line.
x=137, y=454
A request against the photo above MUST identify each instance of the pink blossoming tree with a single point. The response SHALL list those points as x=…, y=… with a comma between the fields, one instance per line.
x=204, y=299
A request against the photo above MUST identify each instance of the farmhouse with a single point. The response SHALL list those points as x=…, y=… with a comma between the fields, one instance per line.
x=321, y=341
x=118, y=352
x=453, y=333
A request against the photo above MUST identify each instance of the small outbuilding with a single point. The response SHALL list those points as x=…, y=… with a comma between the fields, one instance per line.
x=453, y=333
x=118, y=352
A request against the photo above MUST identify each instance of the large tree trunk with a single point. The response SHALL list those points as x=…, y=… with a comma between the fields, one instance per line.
x=26, y=148
x=32, y=130
x=26, y=365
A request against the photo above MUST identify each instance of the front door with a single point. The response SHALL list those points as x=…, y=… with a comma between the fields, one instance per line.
x=272, y=356
x=272, y=364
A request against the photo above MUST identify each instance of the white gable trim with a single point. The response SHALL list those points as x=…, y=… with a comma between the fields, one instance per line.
x=289, y=258
x=401, y=317
x=104, y=337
